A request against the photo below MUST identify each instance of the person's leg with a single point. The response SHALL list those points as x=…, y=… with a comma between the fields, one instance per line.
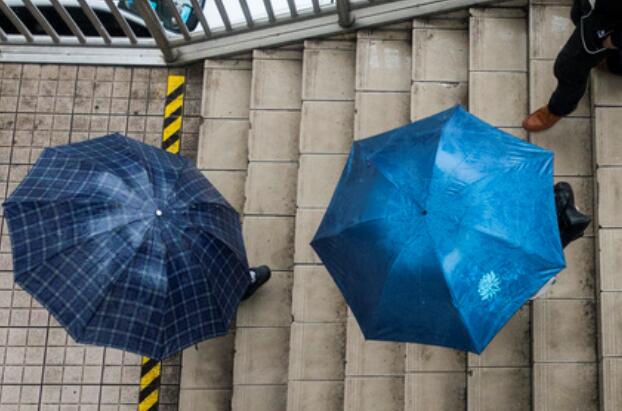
x=259, y=276
x=572, y=222
x=614, y=62
x=572, y=70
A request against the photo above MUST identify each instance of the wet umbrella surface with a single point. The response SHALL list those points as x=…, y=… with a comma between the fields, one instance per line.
x=127, y=246
x=439, y=231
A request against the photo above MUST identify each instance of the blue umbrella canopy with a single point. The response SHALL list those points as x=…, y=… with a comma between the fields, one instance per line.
x=127, y=246
x=440, y=230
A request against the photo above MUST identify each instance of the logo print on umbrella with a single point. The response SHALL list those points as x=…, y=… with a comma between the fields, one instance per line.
x=489, y=286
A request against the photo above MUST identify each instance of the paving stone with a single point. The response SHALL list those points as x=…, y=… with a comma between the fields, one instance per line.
x=610, y=242
x=432, y=65
x=499, y=98
x=612, y=395
x=611, y=323
x=577, y=280
x=383, y=65
x=564, y=330
x=550, y=29
x=379, y=112
x=371, y=357
x=374, y=394
x=315, y=395
x=510, y=347
x=230, y=64
x=488, y=387
x=423, y=358
x=260, y=356
x=565, y=386
x=274, y=250
x=274, y=135
x=221, y=99
x=328, y=74
x=230, y=184
x=317, y=351
x=326, y=127
x=570, y=140
x=610, y=197
x=432, y=391
x=307, y=223
x=259, y=398
x=276, y=84
x=271, y=304
x=190, y=400
x=223, y=145
x=606, y=88
x=608, y=146
x=429, y=98
x=316, y=298
x=318, y=177
x=489, y=44
x=271, y=188
x=209, y=365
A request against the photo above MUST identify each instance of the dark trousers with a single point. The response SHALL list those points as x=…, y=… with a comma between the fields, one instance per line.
x=573, y=66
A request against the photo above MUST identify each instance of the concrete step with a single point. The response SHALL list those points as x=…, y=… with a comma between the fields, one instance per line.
x=295, y=346
x=207, y=369
x=374, y=378
x=317, y=342
x=607, y=108
x=263, y=322
x=564, y=338
x=498, y=93
x=436, y=376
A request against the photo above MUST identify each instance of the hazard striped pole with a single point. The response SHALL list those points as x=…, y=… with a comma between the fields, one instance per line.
x=149, y=395
x=173, y=110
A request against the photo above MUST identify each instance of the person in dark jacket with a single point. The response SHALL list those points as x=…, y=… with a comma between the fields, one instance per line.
x=596, y=41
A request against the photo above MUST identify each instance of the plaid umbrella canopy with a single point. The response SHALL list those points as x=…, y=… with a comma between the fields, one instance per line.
x=128, y=246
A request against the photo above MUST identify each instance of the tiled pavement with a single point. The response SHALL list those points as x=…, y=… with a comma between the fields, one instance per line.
x=276, y=126
x=41, y=368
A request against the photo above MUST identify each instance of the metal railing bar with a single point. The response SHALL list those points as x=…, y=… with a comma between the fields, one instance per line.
x=60, y=9
x=223, y=14
x=90, y=14
x=316, y=6
x=16, y=22
x=180, y=22
x=269, y=11
x=3, y=35
x=343, y=10
x=122, y=22
x=156, y=30
x=47, y=27
x=71, y=41
x=292, y=8
x=199, y=11
x=247, y=13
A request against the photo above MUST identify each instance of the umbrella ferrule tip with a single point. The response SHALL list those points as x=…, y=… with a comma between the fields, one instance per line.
x=158, y=212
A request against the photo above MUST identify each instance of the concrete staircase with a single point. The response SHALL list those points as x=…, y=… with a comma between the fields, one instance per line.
x=277, y=126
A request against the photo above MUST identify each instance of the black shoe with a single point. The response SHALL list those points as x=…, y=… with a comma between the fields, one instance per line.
x=572, y=223
x=262, y=275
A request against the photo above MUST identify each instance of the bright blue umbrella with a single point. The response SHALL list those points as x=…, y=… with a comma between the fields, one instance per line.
x=439, y=231
x=128, y=246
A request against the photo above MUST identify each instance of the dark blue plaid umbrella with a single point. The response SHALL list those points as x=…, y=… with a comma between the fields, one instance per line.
x=128, y=246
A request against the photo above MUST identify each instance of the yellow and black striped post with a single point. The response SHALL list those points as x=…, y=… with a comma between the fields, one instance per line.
x=173, y=110
x=149, y=396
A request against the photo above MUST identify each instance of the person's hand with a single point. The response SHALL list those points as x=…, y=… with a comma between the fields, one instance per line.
x=607, y=43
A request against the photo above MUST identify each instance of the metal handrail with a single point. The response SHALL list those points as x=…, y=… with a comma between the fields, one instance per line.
x=238, y=31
